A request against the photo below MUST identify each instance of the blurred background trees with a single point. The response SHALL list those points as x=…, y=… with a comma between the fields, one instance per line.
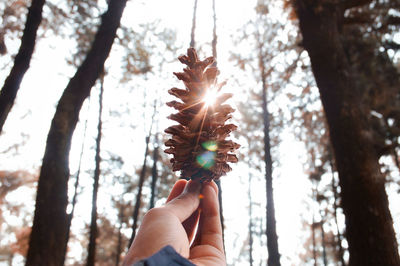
x=333, y=165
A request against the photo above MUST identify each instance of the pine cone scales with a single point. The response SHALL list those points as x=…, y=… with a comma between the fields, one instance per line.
x=198, y=143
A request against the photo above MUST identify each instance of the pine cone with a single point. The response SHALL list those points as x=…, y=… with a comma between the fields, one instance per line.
x=198, y=144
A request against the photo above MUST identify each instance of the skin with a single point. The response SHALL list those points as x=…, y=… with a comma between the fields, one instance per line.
x=176, y=222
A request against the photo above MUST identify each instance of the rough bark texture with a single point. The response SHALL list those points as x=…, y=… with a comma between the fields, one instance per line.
x=272, y=238
x=48, y=237
x=22, y=60
x=369, y=225
x=93, y=233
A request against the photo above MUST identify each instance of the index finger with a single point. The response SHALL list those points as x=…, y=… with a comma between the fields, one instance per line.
x=186, y=203
x=177, y=189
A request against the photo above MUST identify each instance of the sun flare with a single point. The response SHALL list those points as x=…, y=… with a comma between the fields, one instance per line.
x=210, y=97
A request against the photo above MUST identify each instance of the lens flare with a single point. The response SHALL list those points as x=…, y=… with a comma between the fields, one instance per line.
x=206, y=160
x=210, y=145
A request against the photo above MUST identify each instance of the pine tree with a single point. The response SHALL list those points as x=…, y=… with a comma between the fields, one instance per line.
x=22, y=60
x=48, y=238
x=135, y=215
x=192, y=34
x=154, y=172
x=91, y=258
x=364, y=198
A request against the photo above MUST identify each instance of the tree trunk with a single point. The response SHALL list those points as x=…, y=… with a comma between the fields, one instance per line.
x=369, y=223
x=323, y=241
x=48, y=237
x=250, y=223
x=221, y=210
x=192, y=34
x=10, y=259
x=272, y=238
x=76, y=185
x=314, y=244
x=314, y=241
x=214, y=40
x=22, y=60
x=91, y=258
x=218, y=182
x=119, y=243
x=142, y=176
x=154, y=174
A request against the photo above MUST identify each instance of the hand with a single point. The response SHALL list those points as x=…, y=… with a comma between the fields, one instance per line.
x=175, y=224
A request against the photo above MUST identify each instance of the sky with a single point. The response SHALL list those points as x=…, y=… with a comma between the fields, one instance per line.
x=43, y=85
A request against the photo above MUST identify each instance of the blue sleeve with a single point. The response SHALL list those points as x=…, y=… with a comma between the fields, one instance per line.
x=167, y=256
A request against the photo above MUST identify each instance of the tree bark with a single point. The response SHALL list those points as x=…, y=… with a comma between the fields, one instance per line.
x=369, y=223
x=76, y=185
x=91, y=258
x=272, y=238
x=154, y=174
x=48, y=237
x=22, y=60
x=192, y=33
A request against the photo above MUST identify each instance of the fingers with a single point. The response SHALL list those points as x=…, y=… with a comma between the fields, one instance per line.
x=177, y=189
x=210, y=230
x=187, y=202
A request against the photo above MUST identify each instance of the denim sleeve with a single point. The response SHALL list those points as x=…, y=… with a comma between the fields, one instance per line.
x=167, y=256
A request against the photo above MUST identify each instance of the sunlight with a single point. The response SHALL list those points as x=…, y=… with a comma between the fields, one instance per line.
x=210, y=97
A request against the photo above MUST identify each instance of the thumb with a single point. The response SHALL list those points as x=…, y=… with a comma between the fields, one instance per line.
x=186, y=203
